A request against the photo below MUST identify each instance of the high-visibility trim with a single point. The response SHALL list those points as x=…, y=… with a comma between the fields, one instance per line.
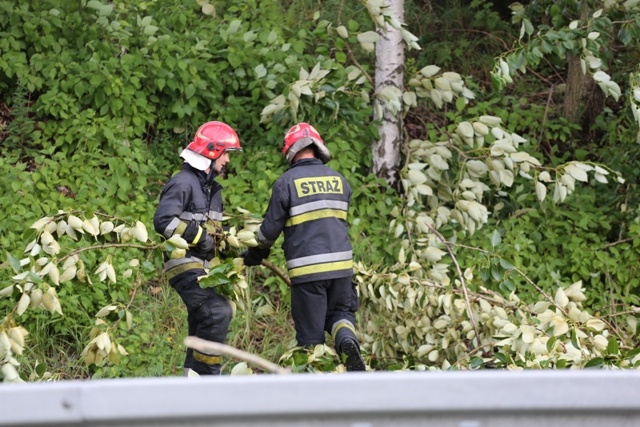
x=320, y=258
x=207, y=358
x=172, y=263
x=320, y=268
x=216, y=216
x=182, y=268
x=317, y=205
x=190, y=216
x=342, y=324
x=311, y=216
x=198, y=236
x=171, y=228
x=264, y=240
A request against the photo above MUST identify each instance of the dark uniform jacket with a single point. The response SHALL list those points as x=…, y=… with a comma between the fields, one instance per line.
x=310, y=202
x=187, y=202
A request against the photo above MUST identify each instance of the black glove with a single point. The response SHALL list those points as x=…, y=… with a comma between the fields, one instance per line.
x=254, y=256
x=207, y=244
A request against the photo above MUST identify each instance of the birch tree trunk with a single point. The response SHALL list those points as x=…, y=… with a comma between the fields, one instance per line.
x=389, y=73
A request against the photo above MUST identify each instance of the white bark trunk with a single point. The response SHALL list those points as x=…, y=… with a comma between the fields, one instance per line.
x=389, y=72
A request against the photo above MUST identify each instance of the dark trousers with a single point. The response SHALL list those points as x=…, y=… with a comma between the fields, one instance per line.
x=316, y=307
x=209, y=315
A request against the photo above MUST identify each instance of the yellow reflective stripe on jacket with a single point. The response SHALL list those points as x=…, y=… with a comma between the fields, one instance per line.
x=320, y=268
x=181, y=268
x=310, y=216
x=206, y=358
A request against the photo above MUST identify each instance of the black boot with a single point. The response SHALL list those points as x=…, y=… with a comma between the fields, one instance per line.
x=349, y=347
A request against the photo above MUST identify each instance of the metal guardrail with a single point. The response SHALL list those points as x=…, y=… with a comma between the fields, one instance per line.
x=582, y=398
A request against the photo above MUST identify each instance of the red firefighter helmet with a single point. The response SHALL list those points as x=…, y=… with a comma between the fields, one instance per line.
x=214, y=138
x=301, y=136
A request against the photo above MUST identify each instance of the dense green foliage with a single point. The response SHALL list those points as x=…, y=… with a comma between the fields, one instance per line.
x=97, y=99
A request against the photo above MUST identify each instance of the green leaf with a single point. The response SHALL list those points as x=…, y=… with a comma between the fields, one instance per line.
x=150, y=30
x=496, y=273
x=574, y=339
x=551, y=343
x=506, y=264
x=15, y=263
x=41, y=368
x=189, y=91
x=476, y=362
x=501, y=357
x=612, y=346
x=496, y=238
x=598, y=362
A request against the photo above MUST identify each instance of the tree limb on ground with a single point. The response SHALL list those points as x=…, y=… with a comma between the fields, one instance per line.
x=280, y=272
x=209, y=347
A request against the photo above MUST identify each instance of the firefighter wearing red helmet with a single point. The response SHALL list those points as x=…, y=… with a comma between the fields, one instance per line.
x=188, y=201
x=309, y=205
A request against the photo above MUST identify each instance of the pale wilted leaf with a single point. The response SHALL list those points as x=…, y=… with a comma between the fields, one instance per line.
x=106, y=310
x=342, y=31
x=68, y=274
x=241, y=369
x=265, y=310
x=177, y=241
x=595, y=324
x=41, y=223
x=368, y=37
x=541, y=191
x=140, y=232
x=429, y=70
x=106, y=227
x=465, y=130
x=75, y=223
x=416, y=177
x=433, y=254
x=577, y=173
x=23, y=303
x=561, y=299
x=208, y=9
x=111, y=273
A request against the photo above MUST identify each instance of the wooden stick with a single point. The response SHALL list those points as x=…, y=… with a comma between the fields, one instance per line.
x=208, y=347
x=277, y=270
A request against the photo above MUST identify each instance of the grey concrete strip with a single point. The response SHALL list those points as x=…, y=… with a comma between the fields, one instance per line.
x=576, y=396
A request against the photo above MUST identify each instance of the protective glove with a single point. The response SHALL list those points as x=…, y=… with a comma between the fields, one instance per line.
x=207, y=244
x=254, y=256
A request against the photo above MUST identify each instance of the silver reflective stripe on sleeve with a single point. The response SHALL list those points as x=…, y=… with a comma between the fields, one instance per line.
x=320, y=204
x=317, y=259
x=189, y=216
x=168, y=232
x=216, y=216
x=264, y=240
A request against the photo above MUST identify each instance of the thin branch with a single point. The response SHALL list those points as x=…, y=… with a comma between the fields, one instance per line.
x=544, y=120
x=462, y=281
x=277, y=270
x=619, y=242
x=218, y=348
x=357, y=64
x=108, y=245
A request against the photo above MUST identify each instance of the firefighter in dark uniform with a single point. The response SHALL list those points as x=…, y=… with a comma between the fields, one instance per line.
x=189, y=200
x=309, y=204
